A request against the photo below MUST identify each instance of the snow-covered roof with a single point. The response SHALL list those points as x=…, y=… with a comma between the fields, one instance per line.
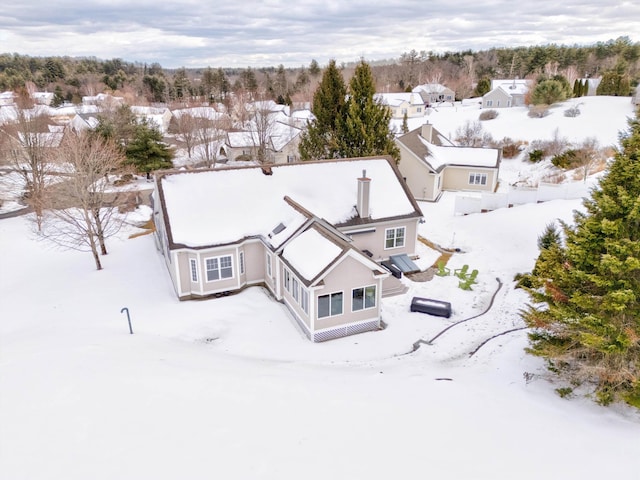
x=441, y=152
x=440, y=156
x=198, y=112
x=281, y=134
x=430, y=88
x=397, y=99
x=325, y=251
x=497, y=82
x=228, y=204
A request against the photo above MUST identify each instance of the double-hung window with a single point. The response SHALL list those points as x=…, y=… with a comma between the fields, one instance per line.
x=477, y=178
x=363, y=298
x=394, y=237
x=287, y=280
x=330, y=305
x=294, y=290
x=219, y=268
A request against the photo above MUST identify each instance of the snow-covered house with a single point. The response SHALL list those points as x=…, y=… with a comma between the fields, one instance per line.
x=84, y=121
x=7, y=98
x=159, y=117
x=506, y=93
x=42, y=98
x=103, y=100
x=430, y=164
x=282, y=143
x=402, y=103
x=434, y=93
x=315, y=234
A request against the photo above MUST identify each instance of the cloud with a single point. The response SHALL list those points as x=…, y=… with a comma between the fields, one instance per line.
x=263, y=33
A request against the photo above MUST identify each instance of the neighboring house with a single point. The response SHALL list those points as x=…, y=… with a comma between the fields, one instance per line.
x=42, y=98
x=434, y=93
x=282, y=143
x=103, y=100
x=403, y=103
x=7, y=98
x=159, y=117
x=314, y=234
x=506, y=93
x=430, y=164
x=84, y=121
x=592, y=85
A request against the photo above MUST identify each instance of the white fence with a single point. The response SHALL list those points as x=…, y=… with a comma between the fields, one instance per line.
x=486, y=201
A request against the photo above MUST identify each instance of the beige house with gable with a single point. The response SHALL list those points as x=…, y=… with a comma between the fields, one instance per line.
x=322, y=237
x=430, y=164
x=405, y=103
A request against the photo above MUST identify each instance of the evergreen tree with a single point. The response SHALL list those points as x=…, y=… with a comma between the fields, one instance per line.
x=483, y=86
x=551, y=91
x=364, y=128
x=146, y=150
x=577, y=88
x=320, y=139
x=405, y=123
x=586, y=322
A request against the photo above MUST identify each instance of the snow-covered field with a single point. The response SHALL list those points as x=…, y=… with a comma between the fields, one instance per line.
x=230, y=388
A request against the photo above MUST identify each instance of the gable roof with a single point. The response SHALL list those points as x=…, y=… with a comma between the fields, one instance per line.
x=439, y=156
x=397, y=99
x=227, y=205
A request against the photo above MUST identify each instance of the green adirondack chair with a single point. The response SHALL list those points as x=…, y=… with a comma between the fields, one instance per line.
x=442, y=270
x=468, y=280
x=461, y=273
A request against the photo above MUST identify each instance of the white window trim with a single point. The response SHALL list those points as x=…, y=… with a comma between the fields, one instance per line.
x=269, y=266
x=364, y=307
x=479, y=175
x=304, y=300
x=206, y=276
x=193, y=264
x=404, y=237
x=330, y=295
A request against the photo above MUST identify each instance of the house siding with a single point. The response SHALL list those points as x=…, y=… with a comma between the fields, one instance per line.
x=347, y=275
x=421, y=181
x=375, y=241
x=496, y=99
x=457, y=178
x=254, y=263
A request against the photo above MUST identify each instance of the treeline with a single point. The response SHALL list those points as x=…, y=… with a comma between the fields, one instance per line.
x=70, y=78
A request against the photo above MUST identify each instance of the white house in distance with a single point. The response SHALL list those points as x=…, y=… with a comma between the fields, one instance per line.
x=431, y=163
x=322, y=237
x=402, y=103
x=506, y=93
x=434, y=93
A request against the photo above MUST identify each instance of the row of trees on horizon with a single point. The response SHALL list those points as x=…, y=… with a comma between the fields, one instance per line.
x=466, y=72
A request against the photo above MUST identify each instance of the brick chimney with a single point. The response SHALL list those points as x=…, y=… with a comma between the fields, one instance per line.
x=427, y=132
x=364, y=186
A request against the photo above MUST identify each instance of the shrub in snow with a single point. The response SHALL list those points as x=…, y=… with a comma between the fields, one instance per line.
x=488, y=115
x=538, y=111
x=572, y=112
x=536, y=155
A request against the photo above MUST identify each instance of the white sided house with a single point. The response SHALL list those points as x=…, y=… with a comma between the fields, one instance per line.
x=431, y=164
x=506, y=93
x=403, y=103
x=315, y=234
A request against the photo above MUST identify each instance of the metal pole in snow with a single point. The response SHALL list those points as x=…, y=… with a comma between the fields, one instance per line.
x=125, y=309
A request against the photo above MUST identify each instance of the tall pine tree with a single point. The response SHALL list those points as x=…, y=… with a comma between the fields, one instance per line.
x=364, y=129
x=320, y=140
x=586, y=320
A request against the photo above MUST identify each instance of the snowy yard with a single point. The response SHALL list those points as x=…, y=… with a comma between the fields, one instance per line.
x=230, y=388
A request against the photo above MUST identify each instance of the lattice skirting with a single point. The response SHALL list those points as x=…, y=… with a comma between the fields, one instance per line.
x=345, y=331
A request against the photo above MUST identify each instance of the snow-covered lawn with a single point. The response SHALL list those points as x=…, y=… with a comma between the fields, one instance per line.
x=230, y=388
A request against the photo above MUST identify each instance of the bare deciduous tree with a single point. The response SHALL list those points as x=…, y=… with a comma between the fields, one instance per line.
x=81, y=212
x=471, y=134
x=26, y=143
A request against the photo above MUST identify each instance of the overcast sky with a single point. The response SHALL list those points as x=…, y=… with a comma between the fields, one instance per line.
x=241, y=33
